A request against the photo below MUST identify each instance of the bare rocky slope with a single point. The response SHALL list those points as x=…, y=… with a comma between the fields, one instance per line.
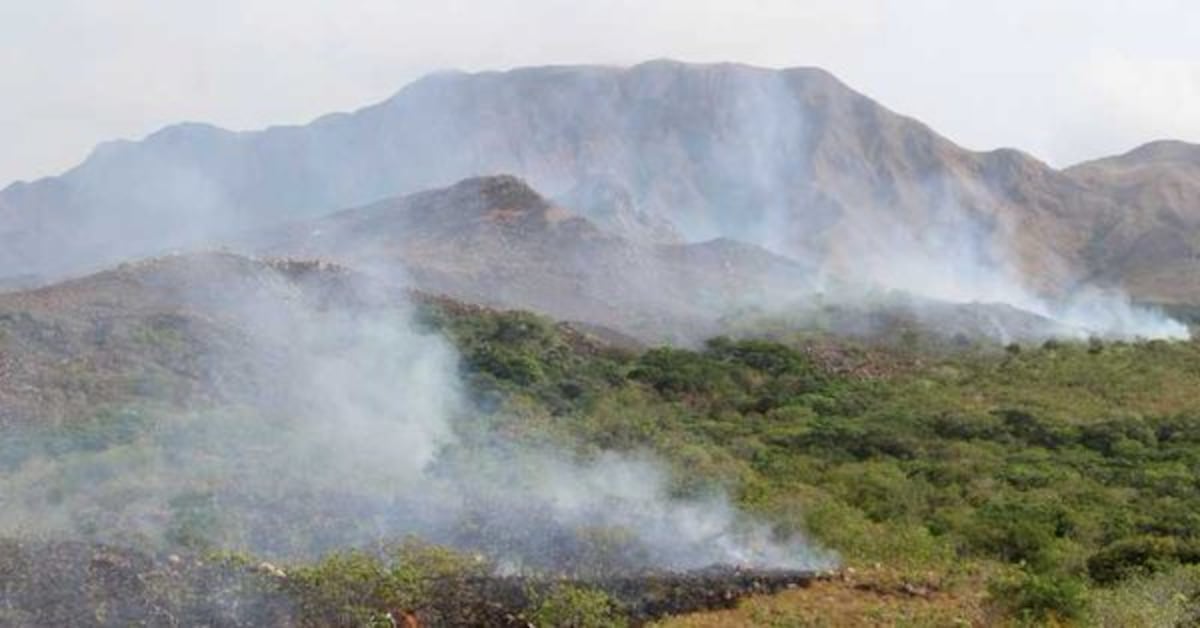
x=791, y=159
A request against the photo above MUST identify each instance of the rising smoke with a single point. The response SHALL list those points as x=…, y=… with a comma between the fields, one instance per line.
x=337, y=421
x=791, y=160
x=962, y=257
x=341, y=425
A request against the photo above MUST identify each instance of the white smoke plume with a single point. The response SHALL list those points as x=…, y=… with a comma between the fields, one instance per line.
x=959, y=257
x=790, y=160
x=337, y=426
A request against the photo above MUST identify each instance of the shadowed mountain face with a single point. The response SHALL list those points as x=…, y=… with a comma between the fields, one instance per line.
x=791, y=159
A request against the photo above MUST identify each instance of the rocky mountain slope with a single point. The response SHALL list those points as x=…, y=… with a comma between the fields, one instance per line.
x=1153, y=244
x=790, y=159
x=495, y=240
x=176, y=330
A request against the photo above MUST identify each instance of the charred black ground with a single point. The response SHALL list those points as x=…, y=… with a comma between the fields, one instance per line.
x=78, y=584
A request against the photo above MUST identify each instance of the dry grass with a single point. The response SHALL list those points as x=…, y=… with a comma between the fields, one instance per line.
x=875, y=597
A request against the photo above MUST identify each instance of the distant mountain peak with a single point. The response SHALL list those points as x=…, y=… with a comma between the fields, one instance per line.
x=1166, y=150
x=502, y=192
x=1157, y=152
x=503, y=202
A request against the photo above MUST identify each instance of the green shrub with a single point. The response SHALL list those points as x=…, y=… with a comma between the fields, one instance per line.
x=507, y=364
x=1169, y=598
x=676, y=373
x=1140, y=556
x=1036, y=430
x=346, y=589
x=1040, y=599
x=860, y=541
x=1017, y=529
x=355, y=588
x=881, y=490
x=577, y=607
x=194, y=520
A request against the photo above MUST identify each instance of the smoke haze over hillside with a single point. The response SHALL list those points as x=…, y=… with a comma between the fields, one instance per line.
x=339, y=422
x=547, y=313
x=790, y=160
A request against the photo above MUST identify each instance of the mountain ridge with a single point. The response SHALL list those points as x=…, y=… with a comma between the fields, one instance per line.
x=496, y=241
x=791, y=159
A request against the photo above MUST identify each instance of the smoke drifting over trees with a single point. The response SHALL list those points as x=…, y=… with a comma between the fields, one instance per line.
x=296, y=395
x=337, y=421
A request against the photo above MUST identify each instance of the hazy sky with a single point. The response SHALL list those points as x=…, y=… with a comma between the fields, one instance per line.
x=1065, y=80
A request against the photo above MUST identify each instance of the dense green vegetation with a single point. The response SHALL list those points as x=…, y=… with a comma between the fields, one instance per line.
x=1061, y=481
x=1067, y=474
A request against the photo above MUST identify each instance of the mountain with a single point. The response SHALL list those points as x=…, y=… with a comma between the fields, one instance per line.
x=497, y=241
x=176, y=330
x=1153, y=244
x=792, y=160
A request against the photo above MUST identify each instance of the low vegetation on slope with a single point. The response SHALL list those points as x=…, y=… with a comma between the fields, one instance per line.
x=1037, y=484
x=1058, y=481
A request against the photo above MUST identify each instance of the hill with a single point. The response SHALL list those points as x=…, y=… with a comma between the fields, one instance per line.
x=495, y=240
x=169, y=329
x=1047, y=483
